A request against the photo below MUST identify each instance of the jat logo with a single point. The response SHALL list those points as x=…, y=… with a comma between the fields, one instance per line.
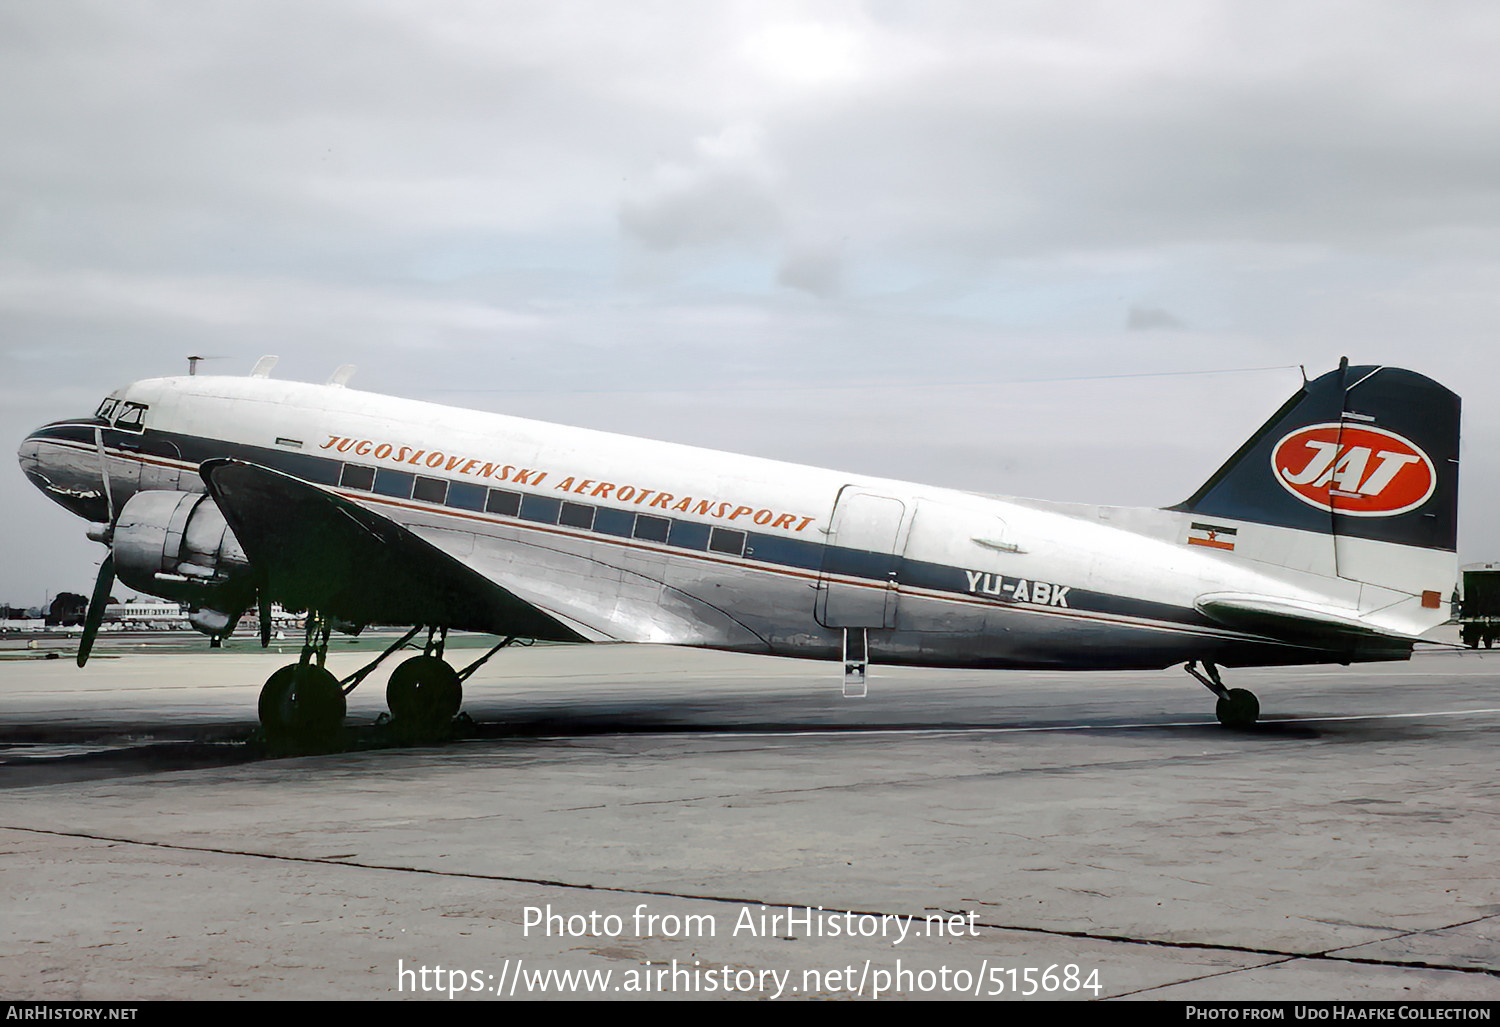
x=1354, y=470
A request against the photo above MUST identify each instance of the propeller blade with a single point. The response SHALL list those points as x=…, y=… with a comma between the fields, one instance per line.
x=109, y=496
x=97, y=602
x=265, y=618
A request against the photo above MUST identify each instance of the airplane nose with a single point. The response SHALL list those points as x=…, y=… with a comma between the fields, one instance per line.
x=30, y=453
x=33, y=451
x=58, y=459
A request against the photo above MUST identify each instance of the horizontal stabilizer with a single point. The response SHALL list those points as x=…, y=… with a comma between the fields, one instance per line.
x=311, y=549
x=1292, y=620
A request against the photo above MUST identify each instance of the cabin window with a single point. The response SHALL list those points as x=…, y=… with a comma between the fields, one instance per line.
x=542, y=509
x=577, y=515
x=688, y=535
x=651, y=529
x=465, y=496
x=614, y=522
x=430, y=490
x=396, y=484
x=507, y=504
x=727, y=540
x=357, y=477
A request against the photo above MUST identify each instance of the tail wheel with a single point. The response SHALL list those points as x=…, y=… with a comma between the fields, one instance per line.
x=302, y=703
x=424, y=694
x=1237, y=708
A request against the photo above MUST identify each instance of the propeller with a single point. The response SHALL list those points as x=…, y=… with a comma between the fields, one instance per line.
x=109, y=496
x=264, y=602
x=95, y=615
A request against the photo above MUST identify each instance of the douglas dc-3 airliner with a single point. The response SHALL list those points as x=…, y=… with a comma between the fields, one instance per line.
x=1329, y=537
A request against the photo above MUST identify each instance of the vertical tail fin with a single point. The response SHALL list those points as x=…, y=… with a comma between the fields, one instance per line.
x=1364, y=459
x=1361, y=452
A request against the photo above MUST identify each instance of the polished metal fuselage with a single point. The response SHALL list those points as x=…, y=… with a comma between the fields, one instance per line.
x=627, y=539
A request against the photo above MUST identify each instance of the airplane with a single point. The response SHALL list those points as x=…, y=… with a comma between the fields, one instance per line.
x=1328, y=537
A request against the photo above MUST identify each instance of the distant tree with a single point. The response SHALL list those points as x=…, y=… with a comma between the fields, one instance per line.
x=67, y=609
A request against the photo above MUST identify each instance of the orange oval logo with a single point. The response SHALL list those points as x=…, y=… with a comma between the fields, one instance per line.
x=1354, y=470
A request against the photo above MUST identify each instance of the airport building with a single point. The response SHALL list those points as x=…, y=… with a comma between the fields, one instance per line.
x=146, y=614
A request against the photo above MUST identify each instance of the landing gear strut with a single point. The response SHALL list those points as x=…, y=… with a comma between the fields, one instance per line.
x=1237, y=708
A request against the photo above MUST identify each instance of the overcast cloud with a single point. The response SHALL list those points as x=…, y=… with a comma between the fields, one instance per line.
x=866, y=235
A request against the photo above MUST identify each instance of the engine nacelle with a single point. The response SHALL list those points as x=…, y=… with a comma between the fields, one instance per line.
x=178, y=546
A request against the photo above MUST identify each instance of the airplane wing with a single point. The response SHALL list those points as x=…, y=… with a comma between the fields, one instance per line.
x=313, y=549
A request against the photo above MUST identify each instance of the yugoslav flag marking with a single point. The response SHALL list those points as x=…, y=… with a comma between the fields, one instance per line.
x=1213, y=536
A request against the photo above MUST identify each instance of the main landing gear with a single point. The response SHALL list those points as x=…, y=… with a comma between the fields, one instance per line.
x=302, y=705
x=425, y=692
x=1237, y=708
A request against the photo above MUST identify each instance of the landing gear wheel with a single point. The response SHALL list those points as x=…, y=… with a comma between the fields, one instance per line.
x=302, y=704
x=1237, y=708
x=424, y=695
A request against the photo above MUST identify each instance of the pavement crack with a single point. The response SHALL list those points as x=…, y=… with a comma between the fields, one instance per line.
x=1326, y=955
x=1202, y=977
x=1413, y=933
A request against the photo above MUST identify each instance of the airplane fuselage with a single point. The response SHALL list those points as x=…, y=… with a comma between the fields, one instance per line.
x=627, y=539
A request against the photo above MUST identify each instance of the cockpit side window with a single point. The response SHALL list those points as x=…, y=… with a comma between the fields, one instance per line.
x=107, y=408
x=132, y=417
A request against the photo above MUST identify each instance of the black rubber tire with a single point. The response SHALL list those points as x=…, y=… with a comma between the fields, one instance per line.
x=1238, y=708
x=302, y=703
x=424, y=694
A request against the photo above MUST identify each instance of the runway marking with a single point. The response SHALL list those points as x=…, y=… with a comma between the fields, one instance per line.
x=1282, y=955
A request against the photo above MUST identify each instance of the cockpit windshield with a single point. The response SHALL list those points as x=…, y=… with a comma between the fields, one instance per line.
x=124, y=415
x=132, y=417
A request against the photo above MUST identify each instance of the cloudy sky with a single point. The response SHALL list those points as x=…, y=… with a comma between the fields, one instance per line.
x=975, y=244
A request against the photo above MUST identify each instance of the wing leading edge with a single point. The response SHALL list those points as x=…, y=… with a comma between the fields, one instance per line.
x=312, y=549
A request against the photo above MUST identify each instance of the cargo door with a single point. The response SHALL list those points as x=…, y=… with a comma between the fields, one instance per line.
x=857, y=582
